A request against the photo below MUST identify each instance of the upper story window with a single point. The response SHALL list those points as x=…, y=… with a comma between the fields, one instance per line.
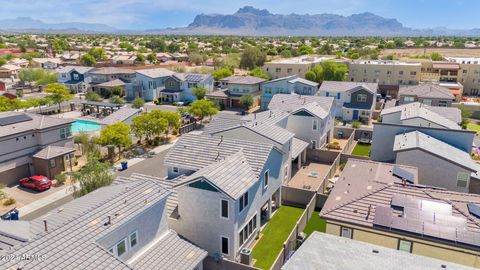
x=171, y=84
x=243, y=202
x=224, y=209
x=327, y=94
x=75, y=76
x=400, y=72
x=175, y=170
x=64, y=75
x=413, y=73
x=315, y=125
x=361, y=98
x=124, y=245
x=65, y=132
x=266, y=179
x=462, y=179
x=289, y=70
x=278, y=70
x=408, y=99
x=339, y=95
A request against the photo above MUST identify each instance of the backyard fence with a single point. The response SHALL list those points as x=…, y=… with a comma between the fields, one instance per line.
x=290, y=245
x=331, y=173
x=347, y=149
x=210, y=264
x=189, y=128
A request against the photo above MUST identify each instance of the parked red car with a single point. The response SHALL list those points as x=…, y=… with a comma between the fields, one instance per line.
x=36, y=182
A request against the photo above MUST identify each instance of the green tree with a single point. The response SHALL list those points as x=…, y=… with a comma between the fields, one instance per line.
x=173, y=47
x=252, y=57
x=140, y=58
x=3, y=61
x=327, y=71
x=158, y=123
x=203, y=108
x=152, y=57
x=173, y=121
x=47, y=78
x=37, y=102
x=222, y=73
x=258, y=72
x=117, y=91
x=138, y=103
x=199, y=92
x=117, y=100
x=88, y=60
x=127, y=46
x=58, y=94
x=196, y=58
x=304, y=50
x=98, y=53
x=157, y=45
x=466, y=114
x=93, y=175
x=93, y=96
x=435, y=56
x=246, y=101
x=115, y=135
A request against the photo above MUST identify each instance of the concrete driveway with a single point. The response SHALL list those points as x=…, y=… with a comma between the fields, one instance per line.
x=24, y=196
x=151, y=166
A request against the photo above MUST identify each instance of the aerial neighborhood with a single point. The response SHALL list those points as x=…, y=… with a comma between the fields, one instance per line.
x=246, y=151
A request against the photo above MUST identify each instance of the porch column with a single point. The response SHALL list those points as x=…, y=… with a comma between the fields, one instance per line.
x=278, y=201
x=304, y=153
x=269, y=210
x=299, y=161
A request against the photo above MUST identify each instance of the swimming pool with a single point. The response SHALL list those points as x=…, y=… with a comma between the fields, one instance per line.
x=85, y=126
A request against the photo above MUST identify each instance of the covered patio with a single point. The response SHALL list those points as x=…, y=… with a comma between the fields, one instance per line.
x=100, y=108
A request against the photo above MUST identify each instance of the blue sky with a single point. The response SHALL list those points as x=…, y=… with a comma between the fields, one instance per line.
x=145, y=14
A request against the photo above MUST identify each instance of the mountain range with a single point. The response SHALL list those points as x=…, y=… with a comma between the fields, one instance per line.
x=251, y=21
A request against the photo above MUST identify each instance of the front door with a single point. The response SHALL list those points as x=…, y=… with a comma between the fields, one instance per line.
x=355, y=114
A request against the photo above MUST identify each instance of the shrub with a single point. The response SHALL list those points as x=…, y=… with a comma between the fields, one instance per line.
x=334, y=145
x=9, y=201
x=356, y=124
x=175, y=133
x=60, y=180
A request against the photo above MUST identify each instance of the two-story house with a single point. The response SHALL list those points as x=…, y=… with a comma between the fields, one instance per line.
x=149, y=83
x=179, y=86
x=226, y=189
x=121, y=226
x=287, y=85
x=103, y=80
x=428, y=94
x=354, y=101
x=74, y=78
x=383, y=204
x=234, y=87
x=24, y=135
x=47, y=63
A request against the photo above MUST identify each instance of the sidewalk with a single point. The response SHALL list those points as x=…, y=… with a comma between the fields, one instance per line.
x=34, y=206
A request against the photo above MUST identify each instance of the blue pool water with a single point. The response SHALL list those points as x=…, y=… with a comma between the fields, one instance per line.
x=85, y=126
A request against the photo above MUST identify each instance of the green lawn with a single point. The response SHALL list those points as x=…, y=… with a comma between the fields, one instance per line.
x=274, y=235
x=474, y=127
x=362, y=150
x=316, y=223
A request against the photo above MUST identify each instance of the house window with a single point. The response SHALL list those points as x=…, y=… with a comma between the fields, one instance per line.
x=243, y=201
x=224, y=243
x=327, y=94
x=75, y=77
x=400, y=72
x=413, y=73
x=408, y=99
x=313, y=144
x=462, y=179
x=247, y=230
x=315, y=125
x=65, y=132
x=171, y=84
x=289, y=70
x=64, y=75
x=133, y=239
x=265, y=179
x=121, y=248
x=175, y=170
x=361, y=98
x=442, y=103
x=338, y=95
x=427, y=102
x=346, y=232
x=224, y=210
x=405, y=245
x=52, y=163
x=278, y=70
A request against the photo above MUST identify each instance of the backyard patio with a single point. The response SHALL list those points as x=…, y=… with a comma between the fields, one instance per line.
x=274, y=234
x=309, y=176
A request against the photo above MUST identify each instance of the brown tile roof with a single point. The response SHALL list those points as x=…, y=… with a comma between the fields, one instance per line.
x=51, y=151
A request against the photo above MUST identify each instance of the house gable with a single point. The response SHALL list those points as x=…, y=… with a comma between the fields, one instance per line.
x=303, y=113
x=202, y=183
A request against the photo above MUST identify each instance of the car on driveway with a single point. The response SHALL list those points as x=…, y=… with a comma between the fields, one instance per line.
x=36, y=182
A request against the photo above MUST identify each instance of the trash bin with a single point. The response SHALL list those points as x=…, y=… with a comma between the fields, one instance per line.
x=124, y=165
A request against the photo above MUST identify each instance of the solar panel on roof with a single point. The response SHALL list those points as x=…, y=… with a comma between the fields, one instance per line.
x=403, y=174
x=474, y=210
x=14, y=119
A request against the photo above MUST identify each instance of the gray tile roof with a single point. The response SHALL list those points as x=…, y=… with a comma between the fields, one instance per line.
x=113, y=83
x=347, y=86
x=155, y=72
x=38, y=122
x=289, y=102
x=119, y=115
x=196, y=151
x=51, y=151
x=112, y=71
x=247, y=80
x=427, y=91
x=171, y=252
x=315, y=109
x=416, y=109
x=304, y=81
x=222, y=123
x=451, y=113
x=322, y=251
x=297, y=147
x=418, y=140
x=73, y=229
x=233, y=175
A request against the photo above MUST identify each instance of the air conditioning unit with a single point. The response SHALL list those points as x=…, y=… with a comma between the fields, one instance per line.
x=301, y=238
x=246, y=256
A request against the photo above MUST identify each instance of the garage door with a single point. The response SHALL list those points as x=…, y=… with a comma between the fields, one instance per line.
x=12, y=176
